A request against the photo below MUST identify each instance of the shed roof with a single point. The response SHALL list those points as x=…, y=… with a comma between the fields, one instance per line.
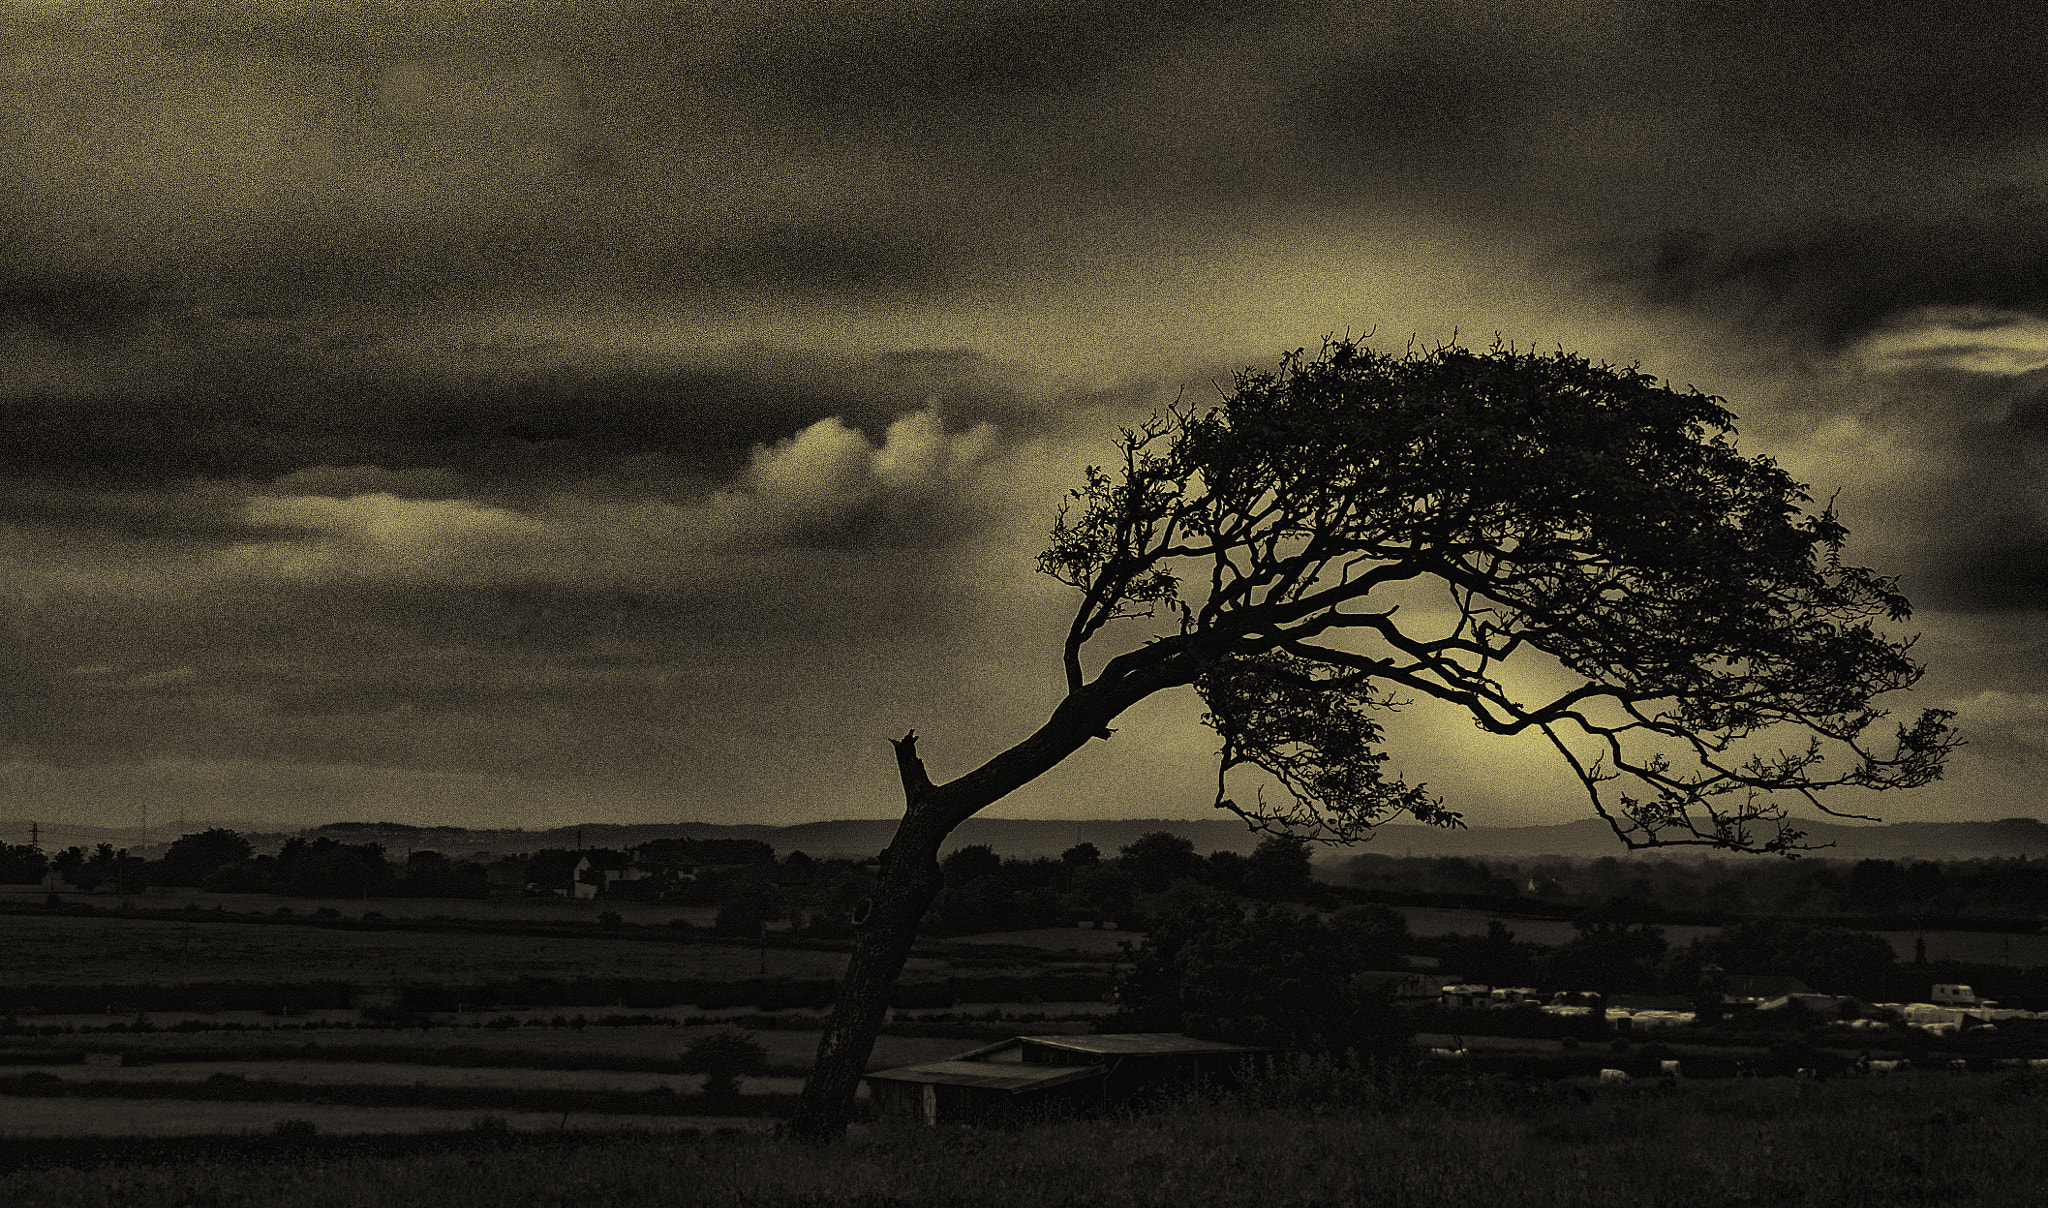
x=1140, y=1043
x=1002, y=1076
x=1762, y=985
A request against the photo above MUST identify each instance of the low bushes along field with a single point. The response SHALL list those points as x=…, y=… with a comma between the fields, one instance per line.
x=1900, y=1142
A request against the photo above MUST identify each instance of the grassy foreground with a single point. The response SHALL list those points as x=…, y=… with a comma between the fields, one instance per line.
x=1907, y=1141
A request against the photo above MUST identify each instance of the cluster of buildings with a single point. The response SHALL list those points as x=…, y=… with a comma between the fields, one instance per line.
x=1027, y=1075
x=1954, y=1007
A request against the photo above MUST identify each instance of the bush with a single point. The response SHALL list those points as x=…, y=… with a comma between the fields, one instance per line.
x=721, y=1091
x=728, y=1052
x=295, y=1130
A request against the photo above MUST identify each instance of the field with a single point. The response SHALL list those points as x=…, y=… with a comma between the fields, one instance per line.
x=148, y=1118
x=641, y=1048
x=107, y=949
x=1901, y=1143
x=514, y=1102
x=109, y=1063
x=1973, y=947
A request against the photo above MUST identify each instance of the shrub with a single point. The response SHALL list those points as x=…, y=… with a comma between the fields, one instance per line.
x=721, y=1091
x=728, y=1052
x=295, y=1130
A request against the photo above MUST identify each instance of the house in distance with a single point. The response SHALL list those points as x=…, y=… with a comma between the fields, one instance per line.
x=1034, y=1075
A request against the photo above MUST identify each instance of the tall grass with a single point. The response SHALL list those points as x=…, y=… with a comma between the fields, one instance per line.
x=1319, y=1137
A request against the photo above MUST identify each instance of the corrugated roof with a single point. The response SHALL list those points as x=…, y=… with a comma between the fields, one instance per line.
x=997, y=1075
x=1135, y=1043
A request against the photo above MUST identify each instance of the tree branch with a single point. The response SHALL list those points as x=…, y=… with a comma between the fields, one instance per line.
x=910, y=769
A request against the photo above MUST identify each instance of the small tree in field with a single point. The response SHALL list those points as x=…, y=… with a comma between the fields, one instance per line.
x=1355, y=525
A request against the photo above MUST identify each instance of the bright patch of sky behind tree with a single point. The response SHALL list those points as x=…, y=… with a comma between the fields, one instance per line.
x=524, y=413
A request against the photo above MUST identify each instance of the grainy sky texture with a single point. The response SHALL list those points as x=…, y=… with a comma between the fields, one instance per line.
x=526, y=413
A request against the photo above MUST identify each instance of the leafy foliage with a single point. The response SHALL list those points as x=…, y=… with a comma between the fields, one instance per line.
x=1157, y=859
x=725, y=1052
x=1581, y=515
x=191, y=858
x=22, y=865
x=1278, y=870
x=1273, y=976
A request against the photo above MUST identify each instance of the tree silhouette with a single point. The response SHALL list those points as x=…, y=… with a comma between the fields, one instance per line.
x=1157, y=859
x=190, y=858
x=1684, y=604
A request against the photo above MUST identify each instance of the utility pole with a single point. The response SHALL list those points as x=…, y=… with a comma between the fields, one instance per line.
x=35, y=834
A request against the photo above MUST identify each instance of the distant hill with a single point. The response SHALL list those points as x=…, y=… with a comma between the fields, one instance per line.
x=1590, y=838
x=850, y=838
x=1585, y=838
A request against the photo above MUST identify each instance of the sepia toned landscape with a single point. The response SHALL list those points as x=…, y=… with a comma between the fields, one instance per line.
x=817, y=602
x=376, y=1049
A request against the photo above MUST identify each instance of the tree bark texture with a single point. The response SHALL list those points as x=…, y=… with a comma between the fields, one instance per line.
x=910, y=878
x=908, y=882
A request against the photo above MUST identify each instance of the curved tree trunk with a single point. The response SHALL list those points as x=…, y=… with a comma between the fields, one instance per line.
x=887, y=922
x=910, y=877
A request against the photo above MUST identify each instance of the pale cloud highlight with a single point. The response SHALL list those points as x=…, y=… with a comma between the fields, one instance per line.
x=1976, y=339
x=824, y=482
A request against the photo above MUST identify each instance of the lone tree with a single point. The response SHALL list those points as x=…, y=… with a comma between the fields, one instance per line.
x=1686, y=608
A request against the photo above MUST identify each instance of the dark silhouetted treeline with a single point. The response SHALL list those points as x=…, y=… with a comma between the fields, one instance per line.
x=1715, y=889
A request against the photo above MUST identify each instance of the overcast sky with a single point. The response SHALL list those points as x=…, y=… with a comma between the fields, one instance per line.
x=530, y=413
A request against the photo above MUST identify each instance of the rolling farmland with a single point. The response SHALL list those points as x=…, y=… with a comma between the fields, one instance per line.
x=110, y=1063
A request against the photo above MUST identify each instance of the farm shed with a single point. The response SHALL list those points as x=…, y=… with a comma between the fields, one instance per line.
x=1754, y=989
x=978, y=1092
x=1402, y=986
x=1032, y=1074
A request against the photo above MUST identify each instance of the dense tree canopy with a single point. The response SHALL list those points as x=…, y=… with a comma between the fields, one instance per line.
x=1269, y=976
x=190, y=859
x=1581, y=516
x=22, y=865
x=1157, y=859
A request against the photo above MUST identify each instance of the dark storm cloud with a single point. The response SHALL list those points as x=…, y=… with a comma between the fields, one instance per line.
x=74, y=306
x=633, y=389
x=824, y=261
x=855, y=60
x=2006, y=571
x=1833, y=281
x=188, y=517
x=510, y=418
